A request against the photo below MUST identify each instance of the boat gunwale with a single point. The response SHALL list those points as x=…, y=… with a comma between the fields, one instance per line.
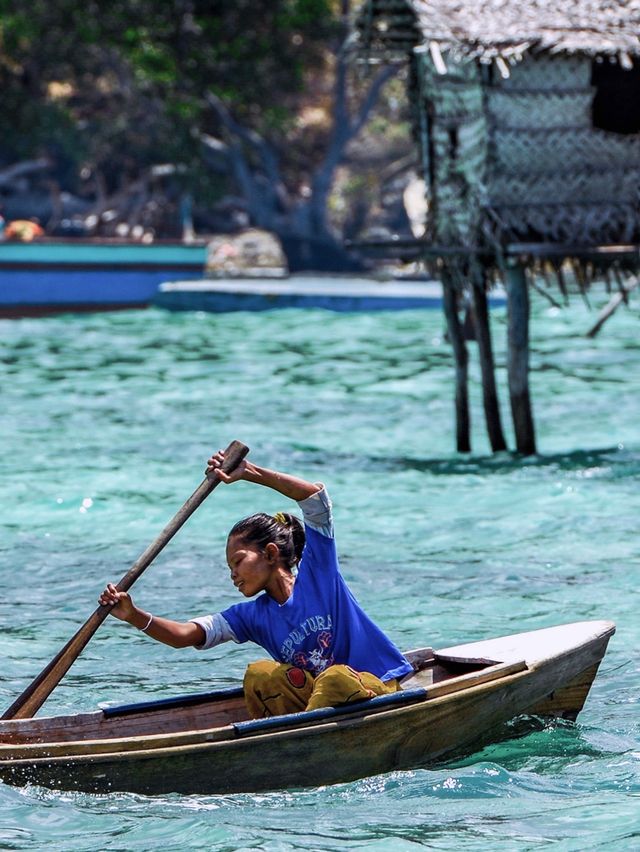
x=232, y=740
x=290, y=723
x=204, y=739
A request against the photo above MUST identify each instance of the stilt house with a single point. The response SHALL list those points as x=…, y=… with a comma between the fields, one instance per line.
x=527, y=118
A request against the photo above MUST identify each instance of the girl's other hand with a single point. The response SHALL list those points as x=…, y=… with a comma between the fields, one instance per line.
x=120, y=602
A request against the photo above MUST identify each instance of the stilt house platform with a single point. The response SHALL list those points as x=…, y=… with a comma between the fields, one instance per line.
x=527, y=120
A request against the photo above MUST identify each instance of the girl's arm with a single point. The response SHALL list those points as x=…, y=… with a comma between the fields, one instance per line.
x=175, y=633
x=291, y=486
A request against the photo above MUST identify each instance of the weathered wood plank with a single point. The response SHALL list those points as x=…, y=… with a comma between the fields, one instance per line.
x=567, y=701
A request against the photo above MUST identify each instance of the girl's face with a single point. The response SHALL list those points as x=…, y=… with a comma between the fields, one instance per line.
x=251, y=568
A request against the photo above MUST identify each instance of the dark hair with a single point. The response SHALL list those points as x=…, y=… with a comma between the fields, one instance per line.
x=285, y=531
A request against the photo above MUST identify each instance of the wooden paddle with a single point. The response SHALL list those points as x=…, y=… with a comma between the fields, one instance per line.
x=37, y=693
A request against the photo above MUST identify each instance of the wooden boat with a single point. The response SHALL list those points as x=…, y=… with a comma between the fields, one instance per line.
x=48, y=275
x=205, y=743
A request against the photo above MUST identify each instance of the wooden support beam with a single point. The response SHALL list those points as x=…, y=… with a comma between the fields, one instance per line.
x=518, y=359
x=558, y=250
x=616, y=300
x=485, y=352
x=456, y=338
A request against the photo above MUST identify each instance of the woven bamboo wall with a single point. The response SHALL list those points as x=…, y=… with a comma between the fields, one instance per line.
x=457, y=149
x=552, y=176
x=506, y=129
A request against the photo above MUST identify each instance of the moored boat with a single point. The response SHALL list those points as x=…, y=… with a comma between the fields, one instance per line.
x=47, y=276
x=205, y=743
x=335, y=293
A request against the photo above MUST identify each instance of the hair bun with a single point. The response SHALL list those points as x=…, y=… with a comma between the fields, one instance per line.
x=282, y=529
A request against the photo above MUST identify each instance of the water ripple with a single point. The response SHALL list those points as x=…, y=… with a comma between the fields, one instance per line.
x=106, y=422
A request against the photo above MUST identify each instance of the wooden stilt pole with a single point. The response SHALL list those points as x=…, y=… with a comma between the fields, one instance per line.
x=485, y=352
x=456, y=337
x=518, y=359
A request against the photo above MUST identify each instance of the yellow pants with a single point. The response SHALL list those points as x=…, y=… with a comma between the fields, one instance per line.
x=273, y=689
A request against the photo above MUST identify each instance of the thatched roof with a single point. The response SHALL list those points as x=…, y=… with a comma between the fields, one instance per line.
x=507, y=28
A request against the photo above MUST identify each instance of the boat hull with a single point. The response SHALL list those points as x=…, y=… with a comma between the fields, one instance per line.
x=330, y=294
x=48, y=276
x=287, y=753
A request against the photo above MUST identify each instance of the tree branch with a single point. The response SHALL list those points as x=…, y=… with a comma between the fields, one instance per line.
x=345, y=128
x=246, y=134
x=372, y=96
x=18, y=170
x=237, y=161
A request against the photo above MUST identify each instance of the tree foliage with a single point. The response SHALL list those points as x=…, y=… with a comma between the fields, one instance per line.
x=123, y=82
x=107, y=91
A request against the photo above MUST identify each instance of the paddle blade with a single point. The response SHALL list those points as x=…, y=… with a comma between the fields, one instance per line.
x=34, y=696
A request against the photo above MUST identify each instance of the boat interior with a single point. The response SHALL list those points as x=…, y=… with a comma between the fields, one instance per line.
x=224, y=710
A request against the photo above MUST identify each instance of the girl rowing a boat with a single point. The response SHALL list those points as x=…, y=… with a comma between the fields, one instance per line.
x=326, y=651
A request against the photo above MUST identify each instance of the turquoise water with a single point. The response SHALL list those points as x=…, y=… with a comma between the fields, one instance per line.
x=106, y=422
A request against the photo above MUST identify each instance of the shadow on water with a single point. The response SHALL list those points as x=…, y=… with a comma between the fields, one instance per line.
x=615, y=462
x=515, y=744
x=620, y=462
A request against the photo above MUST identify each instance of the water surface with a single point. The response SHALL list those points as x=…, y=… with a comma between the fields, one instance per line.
x=106, y=422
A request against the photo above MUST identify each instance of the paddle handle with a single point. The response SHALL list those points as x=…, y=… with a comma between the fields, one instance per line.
x=34, y=696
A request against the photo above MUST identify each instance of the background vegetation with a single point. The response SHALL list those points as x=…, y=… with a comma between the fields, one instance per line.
x=142, y=117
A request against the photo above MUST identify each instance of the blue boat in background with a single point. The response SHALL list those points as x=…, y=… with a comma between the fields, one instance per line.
x=334, y=293
x=47, y=276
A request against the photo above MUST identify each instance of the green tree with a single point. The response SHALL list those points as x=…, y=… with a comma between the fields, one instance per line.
x=253, y=98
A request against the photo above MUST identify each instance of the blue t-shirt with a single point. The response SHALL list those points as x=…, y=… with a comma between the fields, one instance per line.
x=321, y=624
